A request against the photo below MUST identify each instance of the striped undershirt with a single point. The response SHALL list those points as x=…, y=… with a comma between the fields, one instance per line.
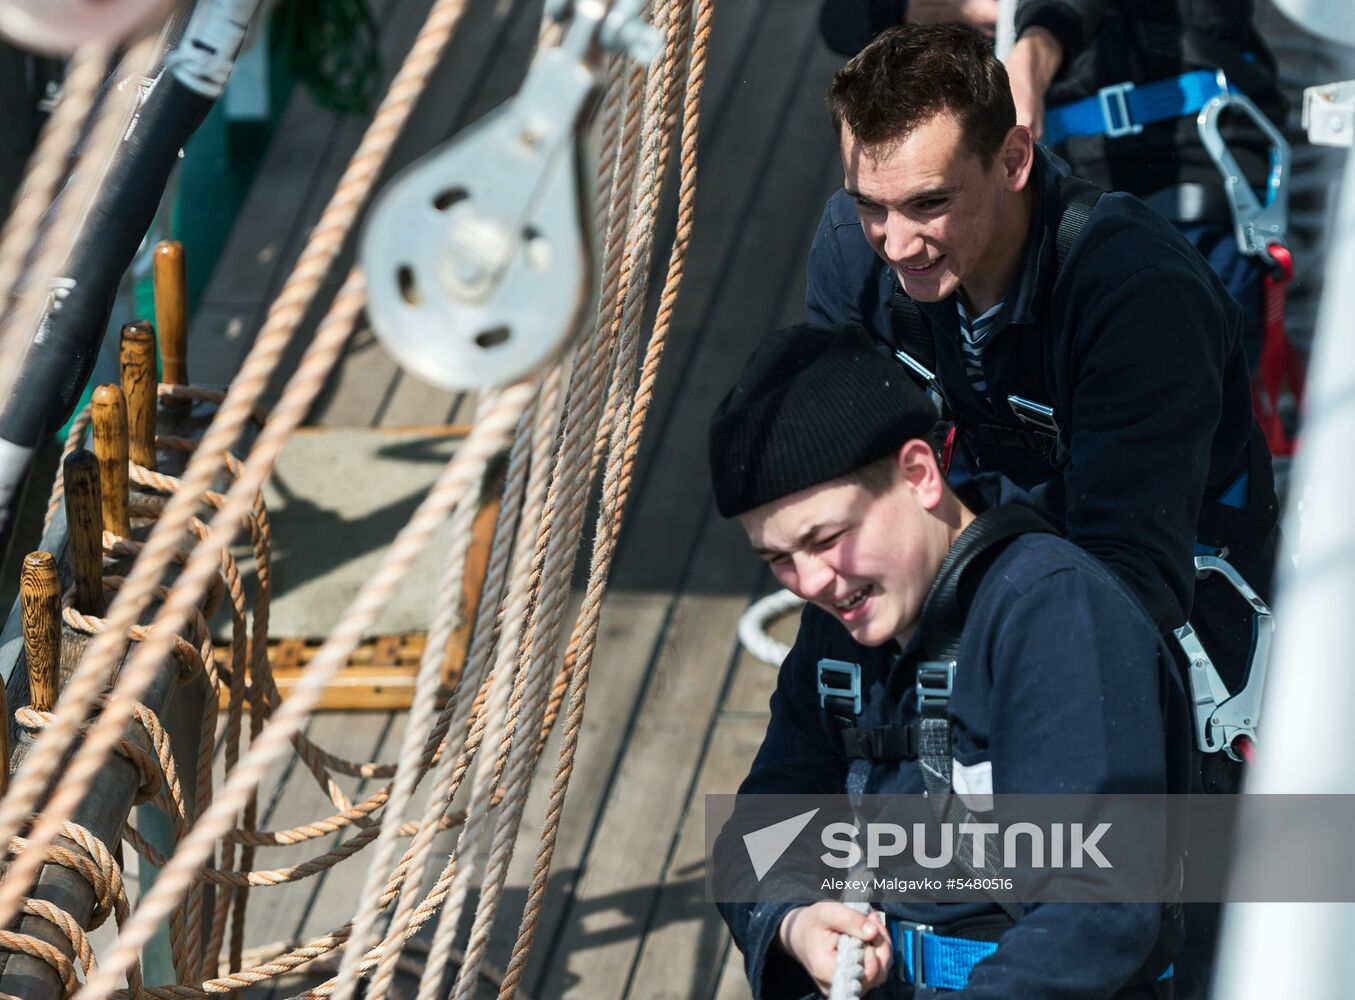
x=974, y=334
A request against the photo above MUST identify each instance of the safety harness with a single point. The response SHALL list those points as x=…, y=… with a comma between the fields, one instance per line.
x=928, y=960
x=1123, y=109
x=1034, y=427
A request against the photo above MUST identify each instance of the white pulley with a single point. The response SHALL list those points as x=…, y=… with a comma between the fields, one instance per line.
x=479, y=257
x=59, y=27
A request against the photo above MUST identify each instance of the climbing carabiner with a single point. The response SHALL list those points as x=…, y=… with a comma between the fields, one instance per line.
x=1256, y=224
x=479, y=257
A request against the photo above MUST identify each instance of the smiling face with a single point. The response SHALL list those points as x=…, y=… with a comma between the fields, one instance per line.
x=866, y=557
x=940, y=219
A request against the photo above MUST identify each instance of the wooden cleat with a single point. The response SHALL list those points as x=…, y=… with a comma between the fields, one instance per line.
x=137, y=356
x=170, y=277
x=40, y=599
x=108, y=409
x=84, y=528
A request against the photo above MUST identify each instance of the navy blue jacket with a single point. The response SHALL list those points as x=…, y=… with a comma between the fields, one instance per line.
x=1142, y=364
x=1062, y=685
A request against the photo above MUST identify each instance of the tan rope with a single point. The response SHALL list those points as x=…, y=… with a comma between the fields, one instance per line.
x=510, y=669
x=322, y=248
x=605, y=538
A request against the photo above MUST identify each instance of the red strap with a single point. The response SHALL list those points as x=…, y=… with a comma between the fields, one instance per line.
x=1281, y=366
x=948, y=452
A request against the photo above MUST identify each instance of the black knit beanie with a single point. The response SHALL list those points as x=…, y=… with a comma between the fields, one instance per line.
x=813, y=403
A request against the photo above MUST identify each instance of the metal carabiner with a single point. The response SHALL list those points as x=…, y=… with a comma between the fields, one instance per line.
x=1255, y=224
x=1223, y=717
x=479, y=257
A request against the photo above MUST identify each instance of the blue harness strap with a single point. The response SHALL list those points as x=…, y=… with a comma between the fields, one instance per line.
x=946, y=961
x=1123, y=108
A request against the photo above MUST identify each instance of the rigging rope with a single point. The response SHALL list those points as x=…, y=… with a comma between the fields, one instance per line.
x=559, y=429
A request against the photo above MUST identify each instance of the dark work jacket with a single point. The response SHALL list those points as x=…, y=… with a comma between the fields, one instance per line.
x=1062, y=686
x=1142, y=364
x=1106, y=42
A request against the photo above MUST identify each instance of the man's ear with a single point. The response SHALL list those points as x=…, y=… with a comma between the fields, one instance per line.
x=1016, y=157
x=918, y=465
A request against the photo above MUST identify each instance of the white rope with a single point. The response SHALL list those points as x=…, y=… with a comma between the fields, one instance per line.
x=760, y=614
x=847, y=972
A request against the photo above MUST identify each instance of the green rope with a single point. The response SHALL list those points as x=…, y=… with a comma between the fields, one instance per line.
x=332, y=46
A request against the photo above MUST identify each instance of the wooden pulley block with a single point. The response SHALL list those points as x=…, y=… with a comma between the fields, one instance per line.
x=59, y=27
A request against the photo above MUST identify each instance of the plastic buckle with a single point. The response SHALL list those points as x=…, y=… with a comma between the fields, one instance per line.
x=935, y=679
x=839, y=679
x=1115, y=97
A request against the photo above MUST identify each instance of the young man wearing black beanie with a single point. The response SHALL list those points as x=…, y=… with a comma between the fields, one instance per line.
x=1061, y=683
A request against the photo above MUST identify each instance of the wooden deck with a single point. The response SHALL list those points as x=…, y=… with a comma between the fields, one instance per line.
x=675, y=712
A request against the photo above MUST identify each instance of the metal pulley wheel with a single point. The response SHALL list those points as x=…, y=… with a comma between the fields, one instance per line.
x=479, y=258
x=59, y=27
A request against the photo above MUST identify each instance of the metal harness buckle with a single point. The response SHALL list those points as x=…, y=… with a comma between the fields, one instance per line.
x=1115, y=106
x=919, y=971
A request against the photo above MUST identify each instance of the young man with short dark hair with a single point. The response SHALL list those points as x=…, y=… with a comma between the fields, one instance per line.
x=1080, y=344
x=1061, y=683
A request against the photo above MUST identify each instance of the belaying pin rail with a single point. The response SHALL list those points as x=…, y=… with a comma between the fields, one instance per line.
x=479, y=257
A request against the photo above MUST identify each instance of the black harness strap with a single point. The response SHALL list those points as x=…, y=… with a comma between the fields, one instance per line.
x=943, y=612
x=943, y=615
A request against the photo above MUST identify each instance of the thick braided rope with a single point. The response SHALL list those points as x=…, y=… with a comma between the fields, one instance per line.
x=96, y=866
x=487, y=439
x=605, y=539
x=286, y=313
x=543, y=641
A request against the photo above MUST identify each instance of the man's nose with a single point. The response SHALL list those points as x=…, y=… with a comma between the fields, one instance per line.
x=814, y=575
x=903, y=239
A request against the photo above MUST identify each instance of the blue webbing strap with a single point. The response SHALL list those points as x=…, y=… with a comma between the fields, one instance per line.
x=947, y=961
x=1123, y=109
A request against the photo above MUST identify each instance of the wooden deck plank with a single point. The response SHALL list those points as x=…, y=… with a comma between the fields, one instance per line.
x=733, y=984
x=629, y=633
x=685, y=940
x=604, y=927
x=285, y=913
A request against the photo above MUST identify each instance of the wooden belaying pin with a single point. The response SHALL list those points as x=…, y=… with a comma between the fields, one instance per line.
x=84, y=527
x=108, y=410
x=137, y=356
x=170, y=278
x=40, y=597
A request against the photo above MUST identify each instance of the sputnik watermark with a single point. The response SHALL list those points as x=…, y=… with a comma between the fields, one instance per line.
x=1023, y=845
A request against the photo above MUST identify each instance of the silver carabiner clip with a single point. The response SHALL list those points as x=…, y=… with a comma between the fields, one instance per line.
x=479, y=257
x=1222, y=717
x=1255, y=225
